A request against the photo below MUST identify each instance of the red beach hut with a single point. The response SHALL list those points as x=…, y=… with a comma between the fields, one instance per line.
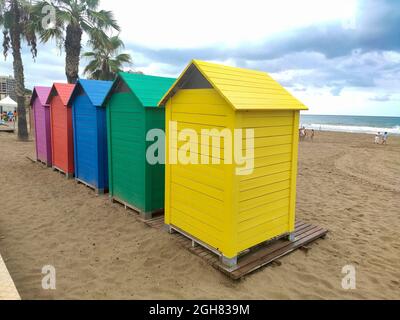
x=62, y=142
x=41, y=115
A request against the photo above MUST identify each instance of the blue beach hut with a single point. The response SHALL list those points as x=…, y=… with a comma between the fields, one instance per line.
x=90, y=133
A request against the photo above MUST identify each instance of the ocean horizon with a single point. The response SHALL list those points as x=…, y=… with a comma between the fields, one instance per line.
x=351, y=124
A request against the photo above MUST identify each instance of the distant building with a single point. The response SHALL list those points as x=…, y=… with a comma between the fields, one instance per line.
x=7, y=87
x=134, y=71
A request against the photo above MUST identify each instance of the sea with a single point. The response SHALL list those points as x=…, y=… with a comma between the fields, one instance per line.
x=352, y=124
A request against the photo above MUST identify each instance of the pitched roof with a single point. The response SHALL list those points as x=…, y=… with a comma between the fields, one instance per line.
x=148, y=89
x=243, y=89
x=7, y=101
x=42, y=93
x=96, y=90
x=64, y=90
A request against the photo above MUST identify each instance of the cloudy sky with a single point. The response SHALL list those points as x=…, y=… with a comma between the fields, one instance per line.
x=338, y=57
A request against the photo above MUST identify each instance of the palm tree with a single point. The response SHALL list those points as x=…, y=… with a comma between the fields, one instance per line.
x=73, y=18
x=105, y=59
x=17, y=26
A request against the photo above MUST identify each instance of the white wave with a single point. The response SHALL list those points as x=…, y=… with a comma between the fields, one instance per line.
x=352, y=129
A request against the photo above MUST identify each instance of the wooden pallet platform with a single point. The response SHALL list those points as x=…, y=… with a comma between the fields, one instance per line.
x=265, y=254
x=144, y=216
x=256, y=258
x=43, y=163
x=156, y=223
x=96, y=190
x=34, y=160
x=67, y=175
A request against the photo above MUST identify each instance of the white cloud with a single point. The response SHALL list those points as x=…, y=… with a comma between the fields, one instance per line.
x=188, y=24
x=162, y=36
x=352, y=101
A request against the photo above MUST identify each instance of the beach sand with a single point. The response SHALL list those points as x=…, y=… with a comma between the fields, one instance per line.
x=346, y=184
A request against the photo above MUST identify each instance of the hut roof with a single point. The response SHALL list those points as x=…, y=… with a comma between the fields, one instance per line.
x=243, y=89
x=148, y=89
x=96, y=90
x=42, y=93
x=64, y=90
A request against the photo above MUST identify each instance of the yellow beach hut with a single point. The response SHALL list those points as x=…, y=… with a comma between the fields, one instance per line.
x=210, y=197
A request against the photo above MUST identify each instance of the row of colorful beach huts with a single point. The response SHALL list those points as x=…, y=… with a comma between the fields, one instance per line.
x=96, y=132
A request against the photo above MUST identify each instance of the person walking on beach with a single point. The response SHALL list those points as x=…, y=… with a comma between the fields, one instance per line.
x=378, y=138
x=303, y=134
x=312, y=135
x=385, y=138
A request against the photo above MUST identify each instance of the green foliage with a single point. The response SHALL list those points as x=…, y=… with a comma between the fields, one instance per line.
x=105, y=61
x=15, y=17
x=82, y=13
x=74, y=17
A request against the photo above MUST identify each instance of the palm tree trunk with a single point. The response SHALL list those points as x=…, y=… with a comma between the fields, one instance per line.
x=15, y=36
x=73, y=52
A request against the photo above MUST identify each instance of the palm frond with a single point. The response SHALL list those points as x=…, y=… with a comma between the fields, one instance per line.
x=91, y=67
x=97, y=37
x=105, y=60
x=103, y=19
x=124, y=58
x=72, y=18
x=88, y=54
x=2, y=11
x=46, y=34
x=92, y=4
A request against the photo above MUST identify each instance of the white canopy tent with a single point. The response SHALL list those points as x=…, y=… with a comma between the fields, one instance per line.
x=7, y=104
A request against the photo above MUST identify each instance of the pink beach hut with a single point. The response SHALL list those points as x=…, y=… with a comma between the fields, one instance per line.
x=41, y=112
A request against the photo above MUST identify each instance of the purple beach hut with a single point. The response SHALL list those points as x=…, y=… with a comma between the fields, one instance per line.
x=41, y=112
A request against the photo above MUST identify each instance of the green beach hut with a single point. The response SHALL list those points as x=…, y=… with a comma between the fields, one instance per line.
x=132, y=111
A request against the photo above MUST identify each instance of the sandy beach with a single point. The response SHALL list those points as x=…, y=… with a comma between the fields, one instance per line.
x=100, y=251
